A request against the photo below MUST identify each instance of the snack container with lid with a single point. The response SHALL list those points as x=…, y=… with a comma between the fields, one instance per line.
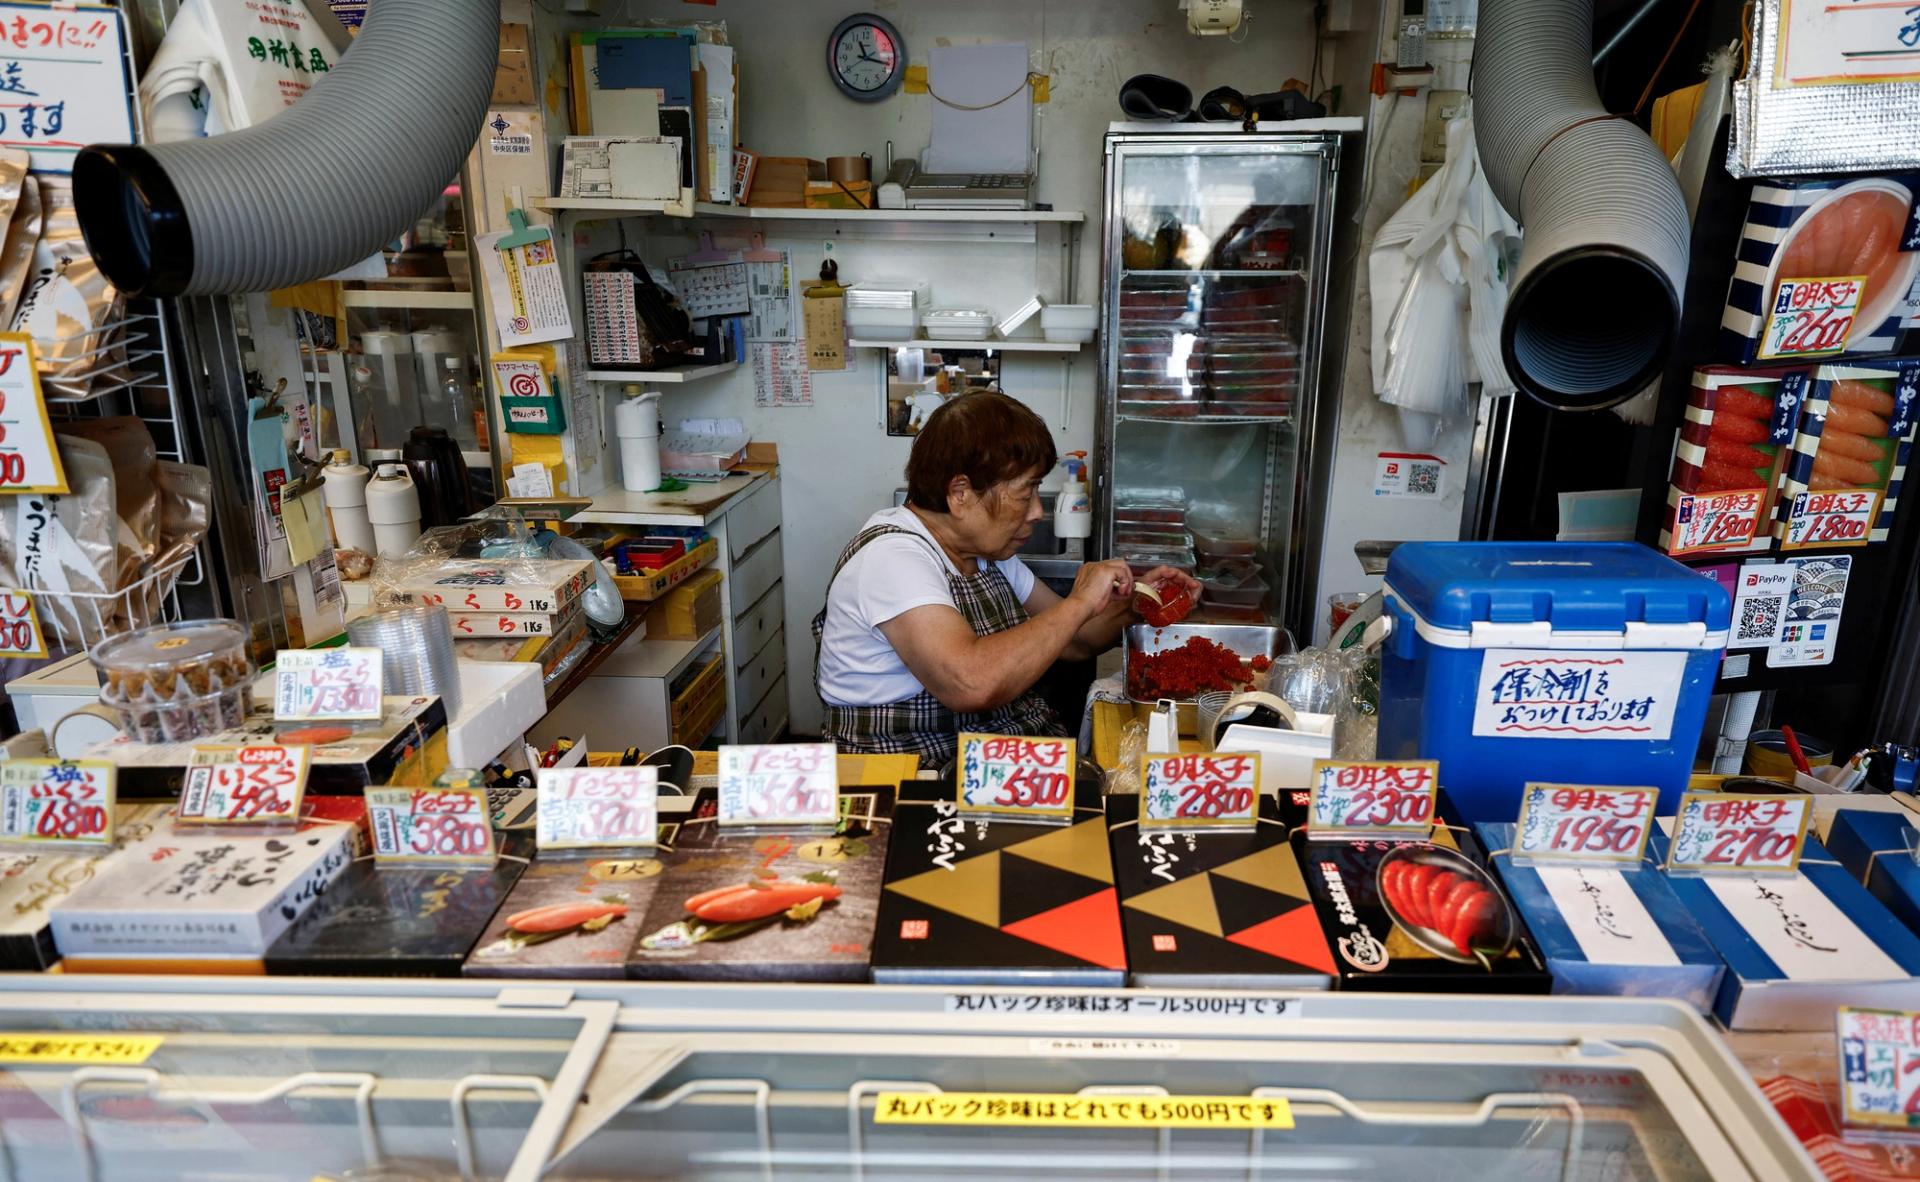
x=176, y=681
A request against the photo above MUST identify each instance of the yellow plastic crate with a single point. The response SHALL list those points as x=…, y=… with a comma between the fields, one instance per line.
x=645, y=588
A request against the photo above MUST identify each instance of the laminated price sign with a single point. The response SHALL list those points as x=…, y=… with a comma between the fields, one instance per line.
x=20, y=627
x=1201, y=791
x=590, y=807
x=1704, y=522
x=780, y=784
x=1879, y=1068
x=57, y=800
x=430, y=824
x=327, y=685
x=1375, y=797
x=1584, y=823
x=256, y=784
x=1812, y=317
x=1843, y=518
x=1016, y=777
x=1718, y=831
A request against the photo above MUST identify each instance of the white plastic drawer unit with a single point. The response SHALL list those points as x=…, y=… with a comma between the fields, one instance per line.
x=753, y=575
x=765, y=669
x=753, y=518
x=753, y=629
x=764, y=723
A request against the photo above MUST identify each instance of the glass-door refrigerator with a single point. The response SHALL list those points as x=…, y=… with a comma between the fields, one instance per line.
x=1214, y=294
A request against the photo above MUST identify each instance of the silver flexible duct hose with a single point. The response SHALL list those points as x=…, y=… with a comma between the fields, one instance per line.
x=1595, y=301
x=321, y=185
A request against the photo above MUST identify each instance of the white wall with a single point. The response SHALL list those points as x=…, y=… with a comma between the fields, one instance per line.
x=838, y=465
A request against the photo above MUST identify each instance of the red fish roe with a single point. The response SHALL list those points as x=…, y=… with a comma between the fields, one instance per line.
x=1194, y=668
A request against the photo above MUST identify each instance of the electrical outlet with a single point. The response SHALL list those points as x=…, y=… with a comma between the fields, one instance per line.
x=1442, y=106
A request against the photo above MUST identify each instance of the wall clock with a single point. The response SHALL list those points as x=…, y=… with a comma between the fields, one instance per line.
x=867, y=57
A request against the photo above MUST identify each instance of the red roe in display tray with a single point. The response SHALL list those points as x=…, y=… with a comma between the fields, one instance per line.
x=1183, y=673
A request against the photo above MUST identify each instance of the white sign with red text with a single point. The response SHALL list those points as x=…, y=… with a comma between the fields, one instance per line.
x=430, y=824
x=57, y=800
x=588, y=807
x=1384, y=797
x=327, y=684
x=1584, y=823
x=1016, y=776
x=1717, y=832
x=255, y=784
x=779, y=784
x=1200, y=792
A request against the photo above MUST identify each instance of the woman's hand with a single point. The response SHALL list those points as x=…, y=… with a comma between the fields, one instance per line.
x=1100, y=585
x=1163, y=574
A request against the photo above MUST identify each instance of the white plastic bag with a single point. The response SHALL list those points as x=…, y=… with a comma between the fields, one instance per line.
x=229, y=64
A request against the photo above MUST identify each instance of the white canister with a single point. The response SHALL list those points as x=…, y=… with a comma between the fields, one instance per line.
x=345, y=492
x=1073, y=511
x=393, y=507
x=636, y=420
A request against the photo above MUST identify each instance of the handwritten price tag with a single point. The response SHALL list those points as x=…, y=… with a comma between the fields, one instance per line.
x=1715, y=521
x=1201, y=791
x=780, y=784
x=589, y=807
x=1373, y=797
x=1015, y=776
x=57, y=800
x=20, y=627
x=255, y=784
x=1841, y=518
x=1581, y=823
x=430, y=824
x=1716, y=831
x=1812, y=317
x=1879, y=1068
x=329, y=684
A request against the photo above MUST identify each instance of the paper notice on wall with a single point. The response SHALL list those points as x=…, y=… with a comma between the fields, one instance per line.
x=588, y=431
x=1401, y=474
x=1760, y=604
x=780, y=374
x=770, y=298
x=717, y=61
x=509, y=133
x=826, y=321
x=1810, y=634
x=525, y=288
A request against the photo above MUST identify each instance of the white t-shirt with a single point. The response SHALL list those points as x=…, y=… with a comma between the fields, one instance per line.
x=891, y=575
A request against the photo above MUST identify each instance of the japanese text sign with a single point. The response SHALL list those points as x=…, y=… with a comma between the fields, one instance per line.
x=332, y=684
x=1015, y=776
x=1584, y=823
x=57, y=800
x=20, y=627
x=1201, y=791
x=430, y=824
x=1705, y=522
x=1716, y=831
x=29, y=461
x=63, y=73
x=1879, y=1068
x=255, y=784
x=44, y=1046
x=1811, y=317
x=1822, y=43
x=588, y=807
x=1069, y=1111
x=1831, y=518
x=1373, y=797
x=779, y=784
x=1529, y=693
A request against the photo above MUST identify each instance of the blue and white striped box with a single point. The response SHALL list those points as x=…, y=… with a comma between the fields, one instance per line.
x=1895, y=378
x=1838, y=227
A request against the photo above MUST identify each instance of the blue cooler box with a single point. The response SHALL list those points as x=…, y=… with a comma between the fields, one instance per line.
x=1558, y=662
x=1613, y=931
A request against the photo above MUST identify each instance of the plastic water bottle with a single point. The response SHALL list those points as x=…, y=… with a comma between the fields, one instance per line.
x=457, y=400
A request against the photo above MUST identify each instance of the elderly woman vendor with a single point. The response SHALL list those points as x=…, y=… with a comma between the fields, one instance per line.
x=932, y=626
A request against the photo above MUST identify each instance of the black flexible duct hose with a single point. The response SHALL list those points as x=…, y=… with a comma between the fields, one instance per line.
x=1595, y=302
x=319, y=186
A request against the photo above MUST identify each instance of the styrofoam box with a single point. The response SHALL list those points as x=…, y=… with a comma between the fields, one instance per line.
x=499, y=700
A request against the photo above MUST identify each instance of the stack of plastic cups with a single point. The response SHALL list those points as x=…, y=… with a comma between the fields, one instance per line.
x=418, y=643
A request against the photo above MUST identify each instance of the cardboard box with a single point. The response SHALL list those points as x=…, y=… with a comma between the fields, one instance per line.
x=781, y=181
x=1798, y=945
x=524, y=585
x=689, y=611
x=839, y=194
x=465, y=624
x=408, y=745
x=1606, y=931
x=1225, y=910
x=1876, y=848
x=188, y=893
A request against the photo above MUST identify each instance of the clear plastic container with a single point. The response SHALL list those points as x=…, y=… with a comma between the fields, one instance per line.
x=179, y=681
x=1217, y=545
x=958, y=324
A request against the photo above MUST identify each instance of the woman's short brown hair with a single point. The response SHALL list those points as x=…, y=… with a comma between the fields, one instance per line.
x=986, y=437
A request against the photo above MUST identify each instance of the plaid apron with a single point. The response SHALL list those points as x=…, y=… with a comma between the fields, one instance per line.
x=920, y=723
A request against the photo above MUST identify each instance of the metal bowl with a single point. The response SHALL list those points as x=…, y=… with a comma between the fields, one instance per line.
x=1246, y=640
x=1435, y=941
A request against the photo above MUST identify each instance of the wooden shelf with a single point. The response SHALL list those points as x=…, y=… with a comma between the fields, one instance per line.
x=667, y=377
x=997, y=345
x=707, y=209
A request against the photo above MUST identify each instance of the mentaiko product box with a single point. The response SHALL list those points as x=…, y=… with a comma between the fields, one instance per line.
x=1840, y=485
x=1734, y=444
x=1877, y=849
x=408, y=745
x=541, y=586
x=1215, y=908
x=769, y=906
x=1608, y=931
x=184, y=893
x=1797, y=945
x=972, y=901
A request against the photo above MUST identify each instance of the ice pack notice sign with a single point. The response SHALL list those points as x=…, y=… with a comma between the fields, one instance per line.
x=1549, y=694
